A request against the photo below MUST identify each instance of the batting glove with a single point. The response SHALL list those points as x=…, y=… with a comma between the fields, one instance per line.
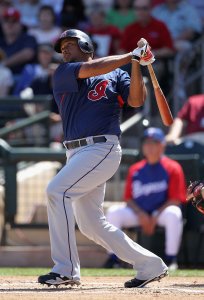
x=143, y=55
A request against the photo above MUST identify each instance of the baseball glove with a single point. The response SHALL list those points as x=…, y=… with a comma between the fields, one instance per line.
x=195, y=194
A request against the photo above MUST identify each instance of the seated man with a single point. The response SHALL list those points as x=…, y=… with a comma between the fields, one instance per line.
x=19, y=47
x=189, y=122
x=155, y=188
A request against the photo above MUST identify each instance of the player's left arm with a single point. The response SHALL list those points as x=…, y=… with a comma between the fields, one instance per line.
x=142, y=55
x=137, y=91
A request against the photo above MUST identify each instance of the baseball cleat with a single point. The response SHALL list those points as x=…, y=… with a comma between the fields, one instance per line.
x=56, y=280
x=137, y=283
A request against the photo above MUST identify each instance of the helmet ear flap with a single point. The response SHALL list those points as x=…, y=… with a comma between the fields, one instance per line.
x=85, y=46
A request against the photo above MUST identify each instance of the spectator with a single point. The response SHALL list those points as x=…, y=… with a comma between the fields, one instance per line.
x=19, y=47
x=39, y=69
x=72, y=15
x=29, y=10
x=121, y=15
x=154, y=31
x=199, y=6
x=182, y=20
x=159, y=38
x=4, y=4
x=47, y=31
x=157, y=2
x=155, y=188
x=107, y=4
x=189, y=123
x=42, y=85
x=6, y=77
x=57, y=5
x=106, y=37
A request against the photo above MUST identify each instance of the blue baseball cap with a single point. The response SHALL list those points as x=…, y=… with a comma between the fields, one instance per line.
x=155, y=134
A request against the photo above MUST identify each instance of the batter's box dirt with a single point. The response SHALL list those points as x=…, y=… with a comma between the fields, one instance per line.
x=102, y=288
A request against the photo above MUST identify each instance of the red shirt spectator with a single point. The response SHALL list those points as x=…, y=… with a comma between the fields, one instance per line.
x=193, y=113
x=157, y=2
x=106, y=37
x=155, y=32
x=189, y=122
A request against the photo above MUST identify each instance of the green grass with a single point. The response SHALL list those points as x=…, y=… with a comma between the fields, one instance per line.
x=94, y=272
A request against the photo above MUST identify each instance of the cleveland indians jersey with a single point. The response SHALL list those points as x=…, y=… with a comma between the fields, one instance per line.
x=90, y=106
x=151, y=185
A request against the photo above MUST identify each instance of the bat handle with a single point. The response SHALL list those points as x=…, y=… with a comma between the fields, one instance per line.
x=153, y=76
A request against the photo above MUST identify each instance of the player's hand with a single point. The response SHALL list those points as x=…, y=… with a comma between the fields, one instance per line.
x=152, y=225
x=142, y=53
x=144, y=221
x=147, y=57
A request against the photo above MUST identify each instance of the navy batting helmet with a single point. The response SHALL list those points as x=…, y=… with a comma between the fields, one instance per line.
x=84, y=41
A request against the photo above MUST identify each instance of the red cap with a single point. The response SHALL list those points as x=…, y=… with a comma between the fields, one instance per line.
x=12, y=13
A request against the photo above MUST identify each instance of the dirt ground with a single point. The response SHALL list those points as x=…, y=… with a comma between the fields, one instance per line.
x=102, y=288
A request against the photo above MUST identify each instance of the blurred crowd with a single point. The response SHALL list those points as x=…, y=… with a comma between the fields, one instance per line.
x=28, y=29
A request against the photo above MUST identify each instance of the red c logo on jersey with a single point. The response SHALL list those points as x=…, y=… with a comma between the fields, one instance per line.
x=99, y=91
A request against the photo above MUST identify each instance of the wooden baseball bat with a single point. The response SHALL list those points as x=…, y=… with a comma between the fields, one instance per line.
x=160, y=98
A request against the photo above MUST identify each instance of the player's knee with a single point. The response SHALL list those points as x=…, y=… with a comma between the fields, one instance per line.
x=86, y=230
x=50, y=190
x=173, y=213
x=90, y=229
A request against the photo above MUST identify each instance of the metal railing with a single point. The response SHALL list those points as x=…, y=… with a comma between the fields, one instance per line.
x=14, y=118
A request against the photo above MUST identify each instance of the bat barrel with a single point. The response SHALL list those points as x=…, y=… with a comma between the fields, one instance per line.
x=162, y=103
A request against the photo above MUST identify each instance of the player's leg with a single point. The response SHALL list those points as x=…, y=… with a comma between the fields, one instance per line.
x=64, y=252
x=93, y=224
x=87, y=168
x=121, y=216
x=171, y=219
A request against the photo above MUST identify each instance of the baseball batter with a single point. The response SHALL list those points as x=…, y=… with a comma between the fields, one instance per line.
x=89, y=93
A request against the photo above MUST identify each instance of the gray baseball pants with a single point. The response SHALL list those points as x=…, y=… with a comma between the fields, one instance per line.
x=77, y=193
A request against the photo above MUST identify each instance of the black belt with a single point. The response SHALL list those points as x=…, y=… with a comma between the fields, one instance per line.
x=83, y=142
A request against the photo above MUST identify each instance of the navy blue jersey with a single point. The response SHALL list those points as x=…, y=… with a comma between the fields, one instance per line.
x=23, y=41
x=90, y=106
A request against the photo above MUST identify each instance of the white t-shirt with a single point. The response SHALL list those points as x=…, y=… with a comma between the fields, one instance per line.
x=45, y=36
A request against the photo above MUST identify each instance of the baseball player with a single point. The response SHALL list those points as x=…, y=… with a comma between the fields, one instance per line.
x=154, y=191
x=88, y=93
